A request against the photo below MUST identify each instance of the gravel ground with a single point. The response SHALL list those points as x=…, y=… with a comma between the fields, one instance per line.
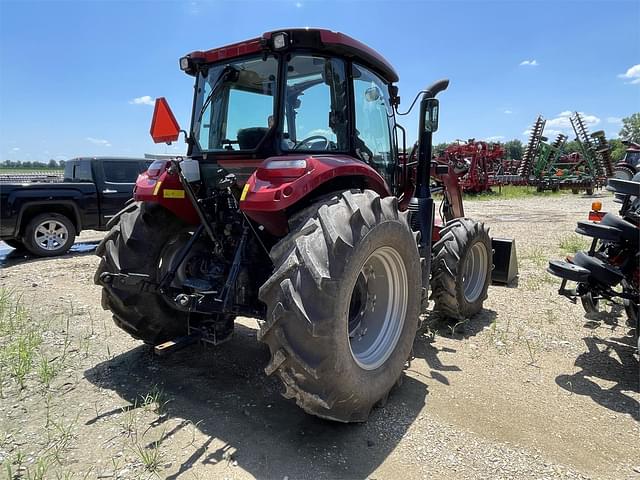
x=529, y=388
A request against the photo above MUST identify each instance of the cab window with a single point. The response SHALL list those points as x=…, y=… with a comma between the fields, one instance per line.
x=315, y=105
x=234, y=102
x=373, y=114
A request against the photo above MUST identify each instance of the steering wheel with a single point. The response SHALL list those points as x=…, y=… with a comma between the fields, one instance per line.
x=312, y=138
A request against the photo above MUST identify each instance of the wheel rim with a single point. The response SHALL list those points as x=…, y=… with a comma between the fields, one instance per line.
x=475, y=272
x=378, y=307
x=51, y=235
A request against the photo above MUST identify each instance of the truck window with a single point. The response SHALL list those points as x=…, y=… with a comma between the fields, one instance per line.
x=120, y=172
x=81, y=172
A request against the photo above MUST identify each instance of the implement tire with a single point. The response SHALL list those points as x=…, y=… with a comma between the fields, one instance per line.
x=134, y=245
x=343, y=305
x=461, y=269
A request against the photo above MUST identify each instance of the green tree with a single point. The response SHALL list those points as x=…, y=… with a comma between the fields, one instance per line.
x=439, y=148
x=52, y=164
x=514, y=149
x=631, y=128
x=572, y=146
x=617, y=149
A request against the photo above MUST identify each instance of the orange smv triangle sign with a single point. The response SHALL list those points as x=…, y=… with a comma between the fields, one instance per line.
x=164, y=127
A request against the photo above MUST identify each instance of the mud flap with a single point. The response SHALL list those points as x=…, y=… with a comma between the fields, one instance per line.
x=505, y=260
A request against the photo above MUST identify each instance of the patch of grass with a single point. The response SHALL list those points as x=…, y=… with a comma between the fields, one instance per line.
x=536, y=255
x=573, y=243
x=47, y=370
x=150, y=456
x=156, y=400
x=20, y=338
x=509, y=192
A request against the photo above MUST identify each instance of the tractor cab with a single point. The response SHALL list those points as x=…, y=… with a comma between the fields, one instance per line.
x=293, y=93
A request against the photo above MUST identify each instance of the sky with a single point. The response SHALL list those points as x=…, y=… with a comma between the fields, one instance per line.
x=79, y=78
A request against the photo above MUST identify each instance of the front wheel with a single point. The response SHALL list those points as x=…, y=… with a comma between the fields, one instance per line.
x=461, y=269
x=343, y=305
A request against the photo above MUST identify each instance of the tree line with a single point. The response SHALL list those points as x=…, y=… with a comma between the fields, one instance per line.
x=515, y=148
x=51, y=164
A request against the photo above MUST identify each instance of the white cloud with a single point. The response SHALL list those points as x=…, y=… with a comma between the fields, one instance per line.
x=508, y=112
x=495, y=138
x=144, y=100
x=99, y=141
x=298, y=4
x=15, y=149
x=614, y=120
x=562, y=124
x=632, y=74
x=529, y=63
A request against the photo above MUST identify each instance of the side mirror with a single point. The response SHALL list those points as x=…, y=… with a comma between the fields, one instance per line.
x=164, y=127
x=431, y=110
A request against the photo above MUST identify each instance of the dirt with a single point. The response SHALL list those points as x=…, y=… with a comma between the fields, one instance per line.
x=529, y=388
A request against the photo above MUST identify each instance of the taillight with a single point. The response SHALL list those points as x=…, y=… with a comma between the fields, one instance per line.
x=596, y=216
x=156, y=168
x=282, y=169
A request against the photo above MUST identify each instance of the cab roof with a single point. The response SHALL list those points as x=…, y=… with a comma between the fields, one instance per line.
x=320, y=40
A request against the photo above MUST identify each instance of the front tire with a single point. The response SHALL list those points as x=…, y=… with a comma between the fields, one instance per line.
x=461, y=269
x=343, y=305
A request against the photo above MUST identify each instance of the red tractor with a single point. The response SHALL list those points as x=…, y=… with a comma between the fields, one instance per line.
x=297, y=206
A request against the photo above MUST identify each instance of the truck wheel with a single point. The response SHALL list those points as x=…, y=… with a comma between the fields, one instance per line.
x=135, y=245
x=343, y=305
x=461, y=269
x=13, y=243
x=49, y=234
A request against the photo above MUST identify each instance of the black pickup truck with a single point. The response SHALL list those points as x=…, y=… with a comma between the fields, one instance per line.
x=45, y=218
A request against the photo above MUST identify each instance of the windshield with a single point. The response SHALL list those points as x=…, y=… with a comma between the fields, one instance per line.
x=632, y=158
x=235, y=104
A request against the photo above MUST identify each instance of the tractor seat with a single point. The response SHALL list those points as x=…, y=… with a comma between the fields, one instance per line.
x=630, y=232
x=248, y=138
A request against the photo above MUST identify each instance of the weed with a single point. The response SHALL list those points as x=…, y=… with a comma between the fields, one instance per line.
x=128, y=423
x=150, y=456
x=39, y=471
x=21, y=338
x=47, y=370
x=573, y=243
x=531, y=351
x=156, y=400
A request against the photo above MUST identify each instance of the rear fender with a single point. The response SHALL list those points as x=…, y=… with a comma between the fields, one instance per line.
x=166, y=190
x=271, y=194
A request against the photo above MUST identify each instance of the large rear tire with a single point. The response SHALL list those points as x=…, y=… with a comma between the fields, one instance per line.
x=343, y=305
x=135, y=245
x=461, y=269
